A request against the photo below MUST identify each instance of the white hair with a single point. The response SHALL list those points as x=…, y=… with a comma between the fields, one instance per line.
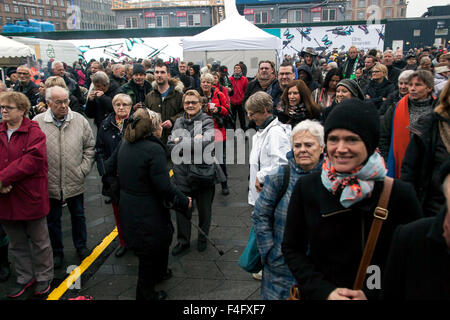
x=204, y=70
x=101, y=77
x=49, y=92
x=333, y=65
x=405, y=75
x=314, y=127
x=54, y=63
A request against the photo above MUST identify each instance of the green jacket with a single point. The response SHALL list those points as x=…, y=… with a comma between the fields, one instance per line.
x=130, y=89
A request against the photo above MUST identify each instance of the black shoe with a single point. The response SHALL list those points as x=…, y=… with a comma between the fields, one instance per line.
x=83, y=253
x=58, y=261
x=120, y=252
x=18, y=289
x=180, y=248
x=42, y=288
x=5, y=271
x=167, y=275
x=225, y=190
x=201, y=246
x=160, y=295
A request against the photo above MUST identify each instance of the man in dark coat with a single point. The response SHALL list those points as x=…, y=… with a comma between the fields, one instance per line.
x=418, y=266
x=310, y=60
x=118, y=74
x=393, y=72
x=26, y=86
x=187, y=80
x=351, y=64
x=137, y=88
x=304, y=73
x=74, y=89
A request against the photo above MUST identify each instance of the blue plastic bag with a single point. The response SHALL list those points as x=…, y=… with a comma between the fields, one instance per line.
x=250, y=259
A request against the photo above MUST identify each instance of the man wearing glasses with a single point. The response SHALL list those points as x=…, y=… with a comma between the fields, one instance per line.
x=26, y=86
x=70, y=152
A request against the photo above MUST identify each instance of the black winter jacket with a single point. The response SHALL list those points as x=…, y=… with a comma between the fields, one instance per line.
x=100, y=107
x=421, y=164
x=323, y=241
x=378, y=91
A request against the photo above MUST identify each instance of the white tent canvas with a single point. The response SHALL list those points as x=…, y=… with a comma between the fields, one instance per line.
x=234, y=39
x=13, y=49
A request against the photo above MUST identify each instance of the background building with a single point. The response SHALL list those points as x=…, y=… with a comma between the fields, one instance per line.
x=162, y=14
x=96, y=15
x=357, y=10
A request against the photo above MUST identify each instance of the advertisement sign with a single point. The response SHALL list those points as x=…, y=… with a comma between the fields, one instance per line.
x=149, y=14
x=181, y=13
x=316, y=9
x=248, y=11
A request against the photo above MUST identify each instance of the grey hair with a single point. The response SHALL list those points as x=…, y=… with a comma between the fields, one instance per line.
x=116, y=66
x=54, y=63
x=49, y=92
x=333, y=65
x=101, y=77
x=405, y=75
x=258, y=102
x=389, y=51
x=208, y=77
x=314, y=127
x=155, y=118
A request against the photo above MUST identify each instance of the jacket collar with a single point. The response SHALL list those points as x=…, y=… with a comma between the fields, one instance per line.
x=49, y=118
x=24, y=127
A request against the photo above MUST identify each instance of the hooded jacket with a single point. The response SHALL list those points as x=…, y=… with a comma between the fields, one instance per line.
x=312, y=85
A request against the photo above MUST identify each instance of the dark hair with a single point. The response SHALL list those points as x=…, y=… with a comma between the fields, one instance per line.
x=374, y=58
x=287, y=64
x=305, y=96
x=330, y=74
x=161, y=64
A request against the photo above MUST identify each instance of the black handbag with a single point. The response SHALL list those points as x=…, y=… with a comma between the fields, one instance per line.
x=201, y=175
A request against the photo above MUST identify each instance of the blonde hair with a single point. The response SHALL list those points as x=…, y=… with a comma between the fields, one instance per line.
x=382, y=68
x=55, y=81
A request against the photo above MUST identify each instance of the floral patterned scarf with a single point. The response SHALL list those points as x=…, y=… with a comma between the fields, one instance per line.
x=356, y=185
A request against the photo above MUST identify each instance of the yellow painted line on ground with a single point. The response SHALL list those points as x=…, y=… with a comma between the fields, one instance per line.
x=76, y=273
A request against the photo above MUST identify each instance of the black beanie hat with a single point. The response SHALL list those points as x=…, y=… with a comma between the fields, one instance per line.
x=353, y=87
x=359, y=117
x=138, y=68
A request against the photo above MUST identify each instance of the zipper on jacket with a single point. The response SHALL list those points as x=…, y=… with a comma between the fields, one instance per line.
x=326, y=215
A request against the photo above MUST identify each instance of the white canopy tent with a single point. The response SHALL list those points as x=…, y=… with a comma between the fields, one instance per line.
x=232, y=40
x=13, y=53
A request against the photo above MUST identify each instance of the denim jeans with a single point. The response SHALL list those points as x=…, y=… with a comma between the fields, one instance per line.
x=76, y=209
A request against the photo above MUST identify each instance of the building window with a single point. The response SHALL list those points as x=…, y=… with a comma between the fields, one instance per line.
x=388, y=2
x=16, y=9
x=33, y=11
x=388, y=12
x=47, y=1
x=62, y=3
x=374, y=2
x=194, y=20
x=361, y=3
x=41, y=12
x=131, y=22
x=262, y=17
x=49, y=13
x=360, y=15
x=403, y=12
x=56, y=14
x=162, y=21
x=7, y=9
x=328, y=14
x=25, y=10
x=55, y=2
x=294, y=16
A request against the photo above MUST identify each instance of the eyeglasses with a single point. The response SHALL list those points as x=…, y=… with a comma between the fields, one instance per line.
x=23, y=73
x=251, y=114
x=7, y=108
x=61, y=102
x=191, y=102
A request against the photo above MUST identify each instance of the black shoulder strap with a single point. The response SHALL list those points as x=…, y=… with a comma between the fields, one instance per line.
x=286, y=177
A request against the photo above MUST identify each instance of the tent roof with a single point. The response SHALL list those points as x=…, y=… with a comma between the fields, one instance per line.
x=233, y=33
x=13, y=49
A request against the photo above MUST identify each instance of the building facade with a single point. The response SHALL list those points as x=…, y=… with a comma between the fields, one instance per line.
x=54, y=11
x=95, y=15
x=162, y=14
x=384, y=9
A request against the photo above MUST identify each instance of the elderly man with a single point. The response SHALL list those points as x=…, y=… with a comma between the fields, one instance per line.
x=351, y=64
x=137, y=88
x=70, y=152
x=388, y=61
x=402, y=117
x=369, y=63
x=165, y=98
x=74, y=89
x=99, y=103
x=118, y=74
x=399, y=62
x=411, y=62
x=26, y=86
x=188, y=81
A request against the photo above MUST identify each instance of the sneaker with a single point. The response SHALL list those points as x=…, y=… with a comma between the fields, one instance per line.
x=19, y=289
x=42, y=288
x=257, y=276
x=5, y=271
x=120, y=251
x=225, y=190
x=180, y=248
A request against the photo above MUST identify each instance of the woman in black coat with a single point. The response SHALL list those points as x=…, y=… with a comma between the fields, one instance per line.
x=379, y=87
x=146, y=194
x=428, y=149
x=109, y=136
x=330, y=213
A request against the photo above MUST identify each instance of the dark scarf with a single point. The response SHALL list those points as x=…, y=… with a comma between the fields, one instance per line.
x=418, y=109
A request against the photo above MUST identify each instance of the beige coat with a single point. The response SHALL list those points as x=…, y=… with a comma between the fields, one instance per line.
x=70, y=152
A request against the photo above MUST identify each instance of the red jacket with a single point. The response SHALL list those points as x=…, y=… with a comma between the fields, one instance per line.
x=225, y=93
x=239, y=87
x=23, y=164
x=219, y=99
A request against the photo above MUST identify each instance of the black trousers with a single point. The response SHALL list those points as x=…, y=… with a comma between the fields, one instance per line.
x=238, y=110
x=152, y=267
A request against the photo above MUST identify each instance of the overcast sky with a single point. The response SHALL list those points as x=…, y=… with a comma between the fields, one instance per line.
x=418, y=7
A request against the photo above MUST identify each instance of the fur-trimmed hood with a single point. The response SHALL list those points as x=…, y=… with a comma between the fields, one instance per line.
x=175, y=83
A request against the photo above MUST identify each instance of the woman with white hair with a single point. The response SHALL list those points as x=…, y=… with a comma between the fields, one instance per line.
x=269, y=215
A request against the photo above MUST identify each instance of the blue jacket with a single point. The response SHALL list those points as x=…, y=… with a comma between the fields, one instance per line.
x=269, y=222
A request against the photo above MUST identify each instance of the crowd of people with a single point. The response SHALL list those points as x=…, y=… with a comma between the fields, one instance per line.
x=340, y=127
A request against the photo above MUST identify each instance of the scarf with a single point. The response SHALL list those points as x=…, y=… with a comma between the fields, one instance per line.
x=444, y=131
x=265, y=83
x=356, y=185
x=237, y=76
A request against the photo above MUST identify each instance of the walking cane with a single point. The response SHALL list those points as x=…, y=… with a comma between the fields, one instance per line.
x=207, y=238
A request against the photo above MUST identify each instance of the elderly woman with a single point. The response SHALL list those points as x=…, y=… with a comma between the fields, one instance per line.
x=146, y=195
x=297, y=104
x=53, y=81
x=99, y=103
x=345, y=89
x=394, y=97
x=427, y=151
x=331, y=212
x=379, y=87
x=269, y=215
x=216, y=105
x=188, y=141
x=24, y=202
x=109, y=137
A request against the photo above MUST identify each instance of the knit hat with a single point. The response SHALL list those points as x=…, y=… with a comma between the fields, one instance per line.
x=359, y=117
x=138, y=68
x=353, y=87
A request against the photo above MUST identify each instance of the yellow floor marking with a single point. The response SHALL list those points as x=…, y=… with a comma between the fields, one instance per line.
x=57, y=293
